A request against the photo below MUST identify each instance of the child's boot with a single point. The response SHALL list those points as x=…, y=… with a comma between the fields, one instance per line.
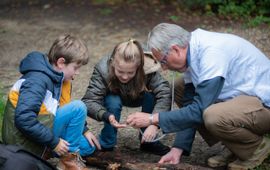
x=71, y=161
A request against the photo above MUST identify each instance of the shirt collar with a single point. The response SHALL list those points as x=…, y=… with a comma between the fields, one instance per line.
x=188, y=56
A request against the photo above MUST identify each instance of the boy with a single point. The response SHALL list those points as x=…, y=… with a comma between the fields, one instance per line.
x=32, y=117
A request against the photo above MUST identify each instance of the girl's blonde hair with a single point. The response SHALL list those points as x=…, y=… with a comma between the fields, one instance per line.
x=71, y=48
x=130, y=51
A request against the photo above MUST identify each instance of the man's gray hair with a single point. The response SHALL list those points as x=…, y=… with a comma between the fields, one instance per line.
x=165, y=35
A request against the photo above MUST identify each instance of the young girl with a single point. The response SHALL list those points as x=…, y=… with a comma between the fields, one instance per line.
x=122, y=79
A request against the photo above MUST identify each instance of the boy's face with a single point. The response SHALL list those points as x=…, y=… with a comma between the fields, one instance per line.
x=70, y=70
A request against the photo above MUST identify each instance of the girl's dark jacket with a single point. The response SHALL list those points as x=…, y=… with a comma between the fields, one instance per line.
x=98, y=87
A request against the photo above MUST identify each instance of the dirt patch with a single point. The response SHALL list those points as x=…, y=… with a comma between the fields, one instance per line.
x=25, y=28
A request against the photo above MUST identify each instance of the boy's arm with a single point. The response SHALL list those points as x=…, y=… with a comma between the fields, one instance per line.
x=31, y=96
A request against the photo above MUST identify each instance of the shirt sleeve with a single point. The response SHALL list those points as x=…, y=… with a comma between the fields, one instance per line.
x=213, y=63
x=184, y=140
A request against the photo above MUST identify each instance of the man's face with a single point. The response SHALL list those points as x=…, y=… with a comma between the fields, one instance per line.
x=174, y=59
x=161, y=58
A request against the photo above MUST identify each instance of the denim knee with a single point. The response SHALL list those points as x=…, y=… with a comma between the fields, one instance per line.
x=149, y=97
x=79, y=107
x=148, y=102
x=113, y=104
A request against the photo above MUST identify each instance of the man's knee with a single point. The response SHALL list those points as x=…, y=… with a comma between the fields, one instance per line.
x=211, y=118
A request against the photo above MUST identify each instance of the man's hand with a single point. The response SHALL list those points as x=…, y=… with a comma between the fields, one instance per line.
x=149, y=134
x=138, y=119
x=115, y=123
x=92, y=139
x=172, y=157
x=62, y=147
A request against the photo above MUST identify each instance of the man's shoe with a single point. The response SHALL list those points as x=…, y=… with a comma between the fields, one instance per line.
x=71, y=161
x=259, y=155
x=156, y=148
x=221, y=159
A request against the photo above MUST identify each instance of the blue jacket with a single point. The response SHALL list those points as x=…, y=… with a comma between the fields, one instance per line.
x=36, y=94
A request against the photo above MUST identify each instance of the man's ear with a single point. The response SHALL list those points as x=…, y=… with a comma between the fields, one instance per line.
x=155, y=52
x=177, y=49
x=60, y=63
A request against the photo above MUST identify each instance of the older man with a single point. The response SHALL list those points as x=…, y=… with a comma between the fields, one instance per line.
x=226, y=95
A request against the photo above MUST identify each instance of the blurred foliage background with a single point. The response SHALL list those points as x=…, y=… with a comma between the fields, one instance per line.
x=252, y=12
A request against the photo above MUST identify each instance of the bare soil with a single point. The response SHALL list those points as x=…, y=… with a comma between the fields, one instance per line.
x=26, y=27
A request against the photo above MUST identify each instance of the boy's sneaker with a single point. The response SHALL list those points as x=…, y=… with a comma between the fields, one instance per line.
x=259, y=155
x=156, y=148
x=221, y=159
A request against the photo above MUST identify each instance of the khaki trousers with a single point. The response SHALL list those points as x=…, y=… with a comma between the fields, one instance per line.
x=239, y=123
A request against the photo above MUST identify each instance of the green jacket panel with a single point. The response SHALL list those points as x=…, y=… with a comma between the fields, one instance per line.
x=11, y=135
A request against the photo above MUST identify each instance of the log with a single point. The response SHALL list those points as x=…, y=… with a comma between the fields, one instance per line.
x=128, y=162
x=156, y=166
x=109, y=165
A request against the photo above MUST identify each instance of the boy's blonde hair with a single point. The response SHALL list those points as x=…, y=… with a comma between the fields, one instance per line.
x=71, y=48
x=129, y=51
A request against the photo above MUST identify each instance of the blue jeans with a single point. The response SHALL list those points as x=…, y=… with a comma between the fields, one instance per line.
x=69, y=124
x=113, y=104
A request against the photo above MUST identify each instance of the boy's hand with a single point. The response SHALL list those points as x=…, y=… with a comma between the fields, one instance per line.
x=92, y=139
x=149, y=134
x=62, y=147
x=115, y=123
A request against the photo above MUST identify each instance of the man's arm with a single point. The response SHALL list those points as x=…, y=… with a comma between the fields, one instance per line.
x=187, y=117
x=184, y=138
x=190, y=116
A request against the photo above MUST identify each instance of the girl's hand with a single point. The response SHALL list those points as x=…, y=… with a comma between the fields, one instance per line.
x=62, y=147
x=92, y=139
x=149, y=134
x=115, y=123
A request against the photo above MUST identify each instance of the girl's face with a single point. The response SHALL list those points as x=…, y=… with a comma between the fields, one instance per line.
x=124, y=71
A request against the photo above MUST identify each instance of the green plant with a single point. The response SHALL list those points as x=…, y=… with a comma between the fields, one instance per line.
x=174, y=18
x=251, y=12
x=258, y=20
x=2, y=107
x=106, y=11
